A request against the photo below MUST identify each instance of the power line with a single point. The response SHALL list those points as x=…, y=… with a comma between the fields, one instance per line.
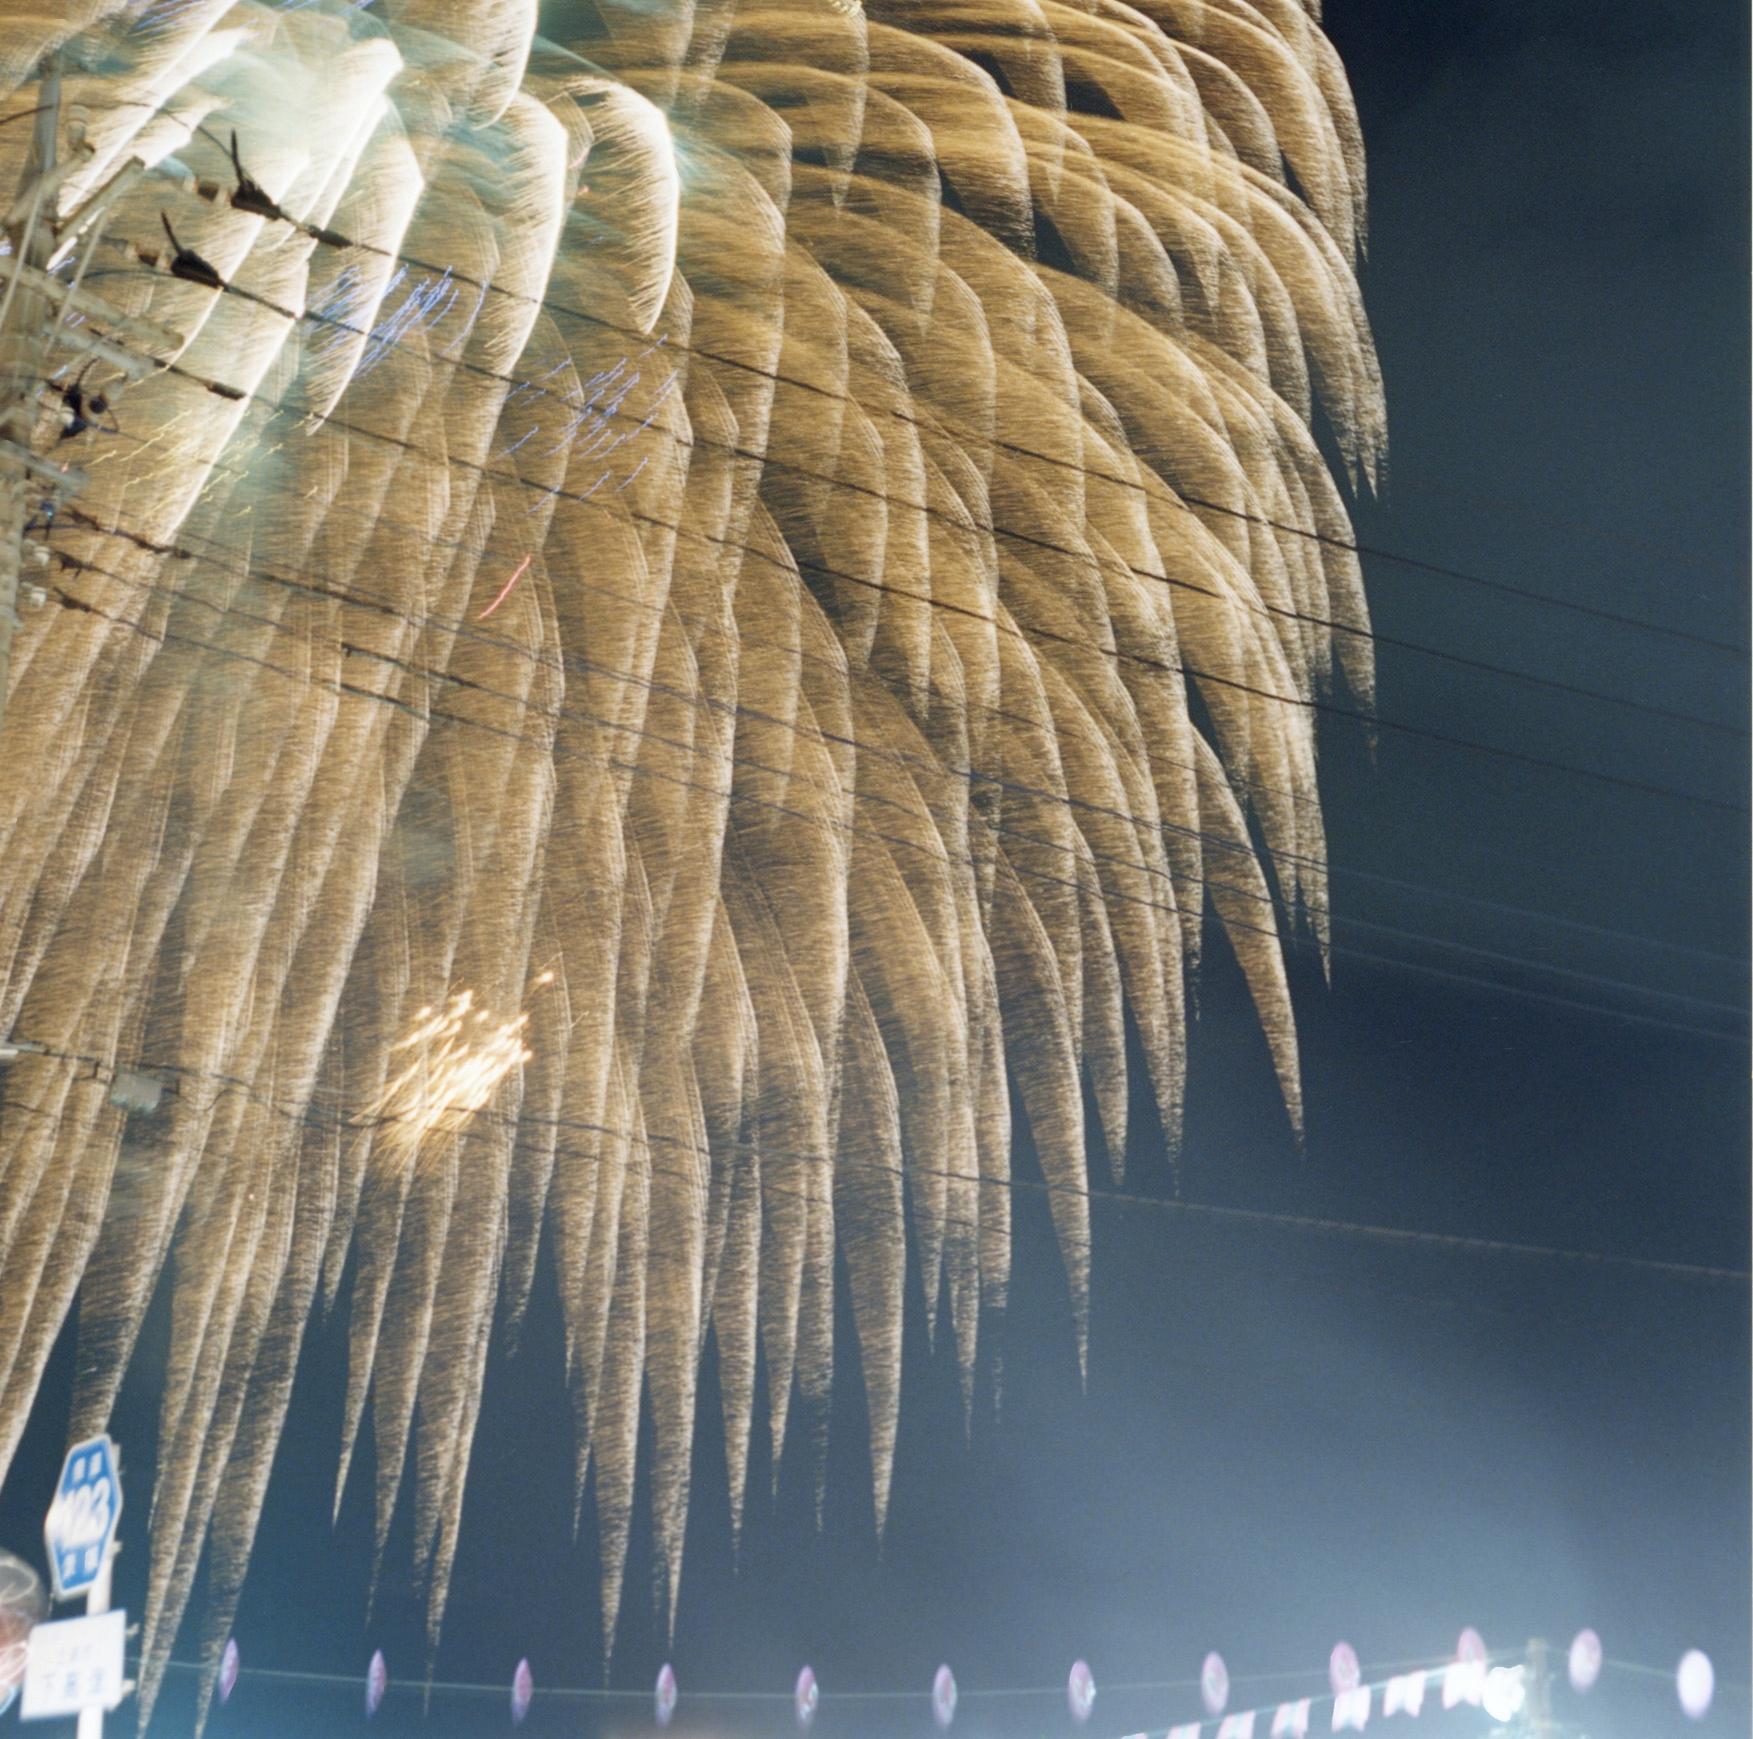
x=1387, y=929
x=1539, y=916
x=212, y=192
x=932, y=768
x=227, y=556
x=1527, y=594
x=1352, y=547
x=1313, y=704
x=1179, y=499
x=975, y=775
x=1395, y=1235
x=1616, y=535
x=922, y=1694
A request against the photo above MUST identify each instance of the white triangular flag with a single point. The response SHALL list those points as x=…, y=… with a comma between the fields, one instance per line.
x=1463, y=1682
x=1237, y=1726
x=1404, y=1695
x=1351, y=1709
x=1187, y=1730
x=1292, y=1720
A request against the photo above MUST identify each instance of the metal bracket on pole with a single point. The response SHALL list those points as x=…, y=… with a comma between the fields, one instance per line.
x=69, y=479
x=74, y=225
x=82, y=301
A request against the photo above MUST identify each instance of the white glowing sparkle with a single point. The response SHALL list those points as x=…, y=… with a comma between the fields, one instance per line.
x=456, y=1058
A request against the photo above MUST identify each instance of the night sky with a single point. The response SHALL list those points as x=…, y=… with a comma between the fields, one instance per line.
x=1291, y=1436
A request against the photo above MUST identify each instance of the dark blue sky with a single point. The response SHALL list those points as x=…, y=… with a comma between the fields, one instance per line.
x=1288, y=1437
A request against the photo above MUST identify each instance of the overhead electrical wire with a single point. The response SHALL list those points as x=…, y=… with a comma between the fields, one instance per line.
x=973, y=774
x=1173, y=498
x=1380, y=553
x=1311, y=703
x=462, y=626
x=1404, y=1236
x=964, y=1693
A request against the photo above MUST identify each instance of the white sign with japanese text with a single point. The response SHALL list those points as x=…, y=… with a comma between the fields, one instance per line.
x=74, y=1664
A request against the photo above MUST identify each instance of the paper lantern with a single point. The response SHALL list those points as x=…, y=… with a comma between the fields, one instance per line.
x=943, y=1697
x=805, y=1696
x=523, y=1688
x=1695, y=1681
x=1080, y=1691
x=1214, y=1683
x=664, y=1697
x=1585, y=1660
x=377, y=1681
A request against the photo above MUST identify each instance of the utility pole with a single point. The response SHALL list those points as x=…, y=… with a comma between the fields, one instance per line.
x=34, y=306
x=24, y=311
x=1537, y=1720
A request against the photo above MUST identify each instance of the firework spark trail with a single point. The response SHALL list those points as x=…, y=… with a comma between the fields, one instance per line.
x=973, y=316
x=459, y=1057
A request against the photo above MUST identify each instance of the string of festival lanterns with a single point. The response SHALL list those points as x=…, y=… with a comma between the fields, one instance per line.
x=1469, y=1678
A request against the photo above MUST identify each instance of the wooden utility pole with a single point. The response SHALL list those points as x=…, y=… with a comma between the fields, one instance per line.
x=34, y=330
x=24, y=331
x=1537, y=1719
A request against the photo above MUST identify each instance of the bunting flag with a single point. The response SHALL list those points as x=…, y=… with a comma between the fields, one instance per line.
x=1469, y=1679
x=377, y=1681
x=943, y=1696
x=1352, y=1709
x=1463, y=1682
x=1292, y=1720
x=1404, y=1695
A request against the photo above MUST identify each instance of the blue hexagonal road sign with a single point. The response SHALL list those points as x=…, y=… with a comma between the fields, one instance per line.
x=81, y=1526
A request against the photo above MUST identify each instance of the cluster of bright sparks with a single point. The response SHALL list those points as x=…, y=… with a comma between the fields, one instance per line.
x=451, y=1063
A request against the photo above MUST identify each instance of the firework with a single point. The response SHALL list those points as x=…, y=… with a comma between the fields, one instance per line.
x=700, y=602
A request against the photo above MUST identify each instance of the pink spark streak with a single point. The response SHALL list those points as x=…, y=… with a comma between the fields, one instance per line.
x=505, y=590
